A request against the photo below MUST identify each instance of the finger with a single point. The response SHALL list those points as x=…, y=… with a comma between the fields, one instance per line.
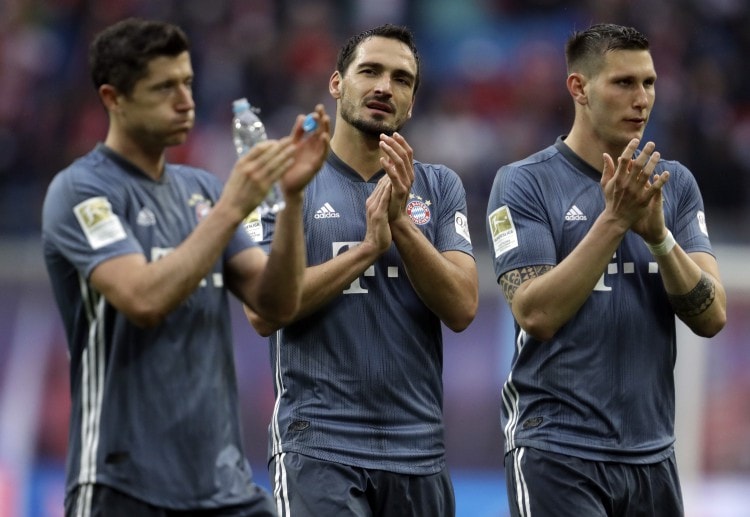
x=644, y=174
x=377, y=202
x=609, y=169
x=645, y=156
x=394, y=167
x=408, y=159
x=397, y=150
x=297, y=131
x=660, y=180
x=629, y=151
x=272, y=154
x=258, y=150
x=385, y=197
x=388, y=150
x=624, y=165
x=378, y=190
x=403, y=143
x=277, y=172
x=279, y=163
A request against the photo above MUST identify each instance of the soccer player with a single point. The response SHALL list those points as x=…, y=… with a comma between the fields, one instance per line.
x=357, y=428
x=141, y=254
x=597, y=247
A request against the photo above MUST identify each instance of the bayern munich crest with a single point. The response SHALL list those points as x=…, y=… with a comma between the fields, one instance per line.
x=419, y=210
x=201, y=205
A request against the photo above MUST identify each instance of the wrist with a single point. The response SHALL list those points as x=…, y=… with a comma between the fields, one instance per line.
x=224, y=211
x=663, y=247
x=295, y=199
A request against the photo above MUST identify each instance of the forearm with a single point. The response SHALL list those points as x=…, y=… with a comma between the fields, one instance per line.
x=146, y=289
x=694, y=289
x=322, y=283
x=547, y=302
x=449, y=287
x=279, y=287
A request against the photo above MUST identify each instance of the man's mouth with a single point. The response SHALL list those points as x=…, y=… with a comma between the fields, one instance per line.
x=380, y=106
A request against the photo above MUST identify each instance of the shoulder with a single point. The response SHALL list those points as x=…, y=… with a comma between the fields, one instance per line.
x=681, y=179
x=194, y=178
x=674, y=167
x=83, y=176
x=435, y=173
x=538, y=163
x=537, y=168
x=190, y=173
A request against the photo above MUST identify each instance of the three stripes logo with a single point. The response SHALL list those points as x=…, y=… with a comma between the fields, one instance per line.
x=326, y=212
x=575, y=214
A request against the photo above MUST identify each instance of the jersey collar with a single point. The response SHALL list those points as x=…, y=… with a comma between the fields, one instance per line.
x=576, y=160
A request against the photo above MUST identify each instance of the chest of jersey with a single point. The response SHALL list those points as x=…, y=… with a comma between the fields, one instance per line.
x=336, y=214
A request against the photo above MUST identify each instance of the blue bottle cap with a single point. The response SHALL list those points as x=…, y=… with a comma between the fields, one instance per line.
x=240, y=105
x=309, y=124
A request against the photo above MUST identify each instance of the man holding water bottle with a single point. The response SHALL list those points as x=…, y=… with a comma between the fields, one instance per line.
x=141, y=254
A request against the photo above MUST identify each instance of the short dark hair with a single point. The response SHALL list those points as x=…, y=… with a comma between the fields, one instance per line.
x=585, y=50
x=400, y=33
x=119, y=55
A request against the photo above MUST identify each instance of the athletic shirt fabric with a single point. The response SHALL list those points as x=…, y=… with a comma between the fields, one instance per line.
x=154, y=411
x=359, y=382
x=603, y=387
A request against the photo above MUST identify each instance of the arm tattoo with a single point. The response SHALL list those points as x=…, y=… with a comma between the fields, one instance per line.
x=512, y=280
x=697, y=301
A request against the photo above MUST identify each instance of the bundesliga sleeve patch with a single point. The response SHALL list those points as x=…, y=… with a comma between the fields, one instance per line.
x=504, y=237
x=254, y=226
x=100, y=225
x=462, y=226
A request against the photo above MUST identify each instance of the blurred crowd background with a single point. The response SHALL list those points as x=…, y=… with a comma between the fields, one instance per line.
x=492, y=91
x=493, y=88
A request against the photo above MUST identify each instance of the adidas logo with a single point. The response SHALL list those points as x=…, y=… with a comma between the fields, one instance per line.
x=575, y=214
x=145, y=217
x=326, y=212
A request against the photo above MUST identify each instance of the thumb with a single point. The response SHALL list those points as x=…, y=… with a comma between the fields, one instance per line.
x=609, y=169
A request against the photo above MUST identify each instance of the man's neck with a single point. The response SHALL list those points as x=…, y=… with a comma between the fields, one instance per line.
x=151, y=162
x=360, y=152
x=586, y=146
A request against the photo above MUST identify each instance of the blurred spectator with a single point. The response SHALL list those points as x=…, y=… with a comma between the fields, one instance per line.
x=491, y=89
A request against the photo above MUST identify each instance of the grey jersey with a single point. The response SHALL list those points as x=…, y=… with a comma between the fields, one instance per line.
x=359, y=382
x=603, y=387
x=154, y=411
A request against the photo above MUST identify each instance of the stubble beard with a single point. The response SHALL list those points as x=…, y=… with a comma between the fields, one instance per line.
x=369, y=128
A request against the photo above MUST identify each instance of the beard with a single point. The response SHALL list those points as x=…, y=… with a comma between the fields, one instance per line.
x=372, y=128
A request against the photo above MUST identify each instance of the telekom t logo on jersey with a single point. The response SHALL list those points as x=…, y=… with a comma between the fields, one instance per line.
x=627, y=268
x=356, y=287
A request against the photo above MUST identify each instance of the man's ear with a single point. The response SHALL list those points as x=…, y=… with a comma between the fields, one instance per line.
x=577, y=87
x=408, y=113
x=334, y=85
x=109, y=96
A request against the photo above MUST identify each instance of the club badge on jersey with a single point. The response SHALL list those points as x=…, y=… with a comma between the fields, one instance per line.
x=419, y=210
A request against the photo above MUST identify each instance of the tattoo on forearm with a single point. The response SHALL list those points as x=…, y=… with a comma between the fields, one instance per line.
x=697, y=301
x=512, y=280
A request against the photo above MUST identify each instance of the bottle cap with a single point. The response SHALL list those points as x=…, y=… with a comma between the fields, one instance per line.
x=240, y=105
x=309, y=124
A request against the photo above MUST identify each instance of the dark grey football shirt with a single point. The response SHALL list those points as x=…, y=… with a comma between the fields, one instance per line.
x=154, y=411
x=359, y=382
x=603, y=387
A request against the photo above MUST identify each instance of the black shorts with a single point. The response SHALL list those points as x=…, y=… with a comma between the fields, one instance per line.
x=542, y=483
x=307, y=487
x=103, y=501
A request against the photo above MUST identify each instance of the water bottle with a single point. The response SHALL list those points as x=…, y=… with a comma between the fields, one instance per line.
x=248, y=130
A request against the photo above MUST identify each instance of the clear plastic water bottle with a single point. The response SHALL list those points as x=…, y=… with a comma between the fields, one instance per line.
x=248, y=130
